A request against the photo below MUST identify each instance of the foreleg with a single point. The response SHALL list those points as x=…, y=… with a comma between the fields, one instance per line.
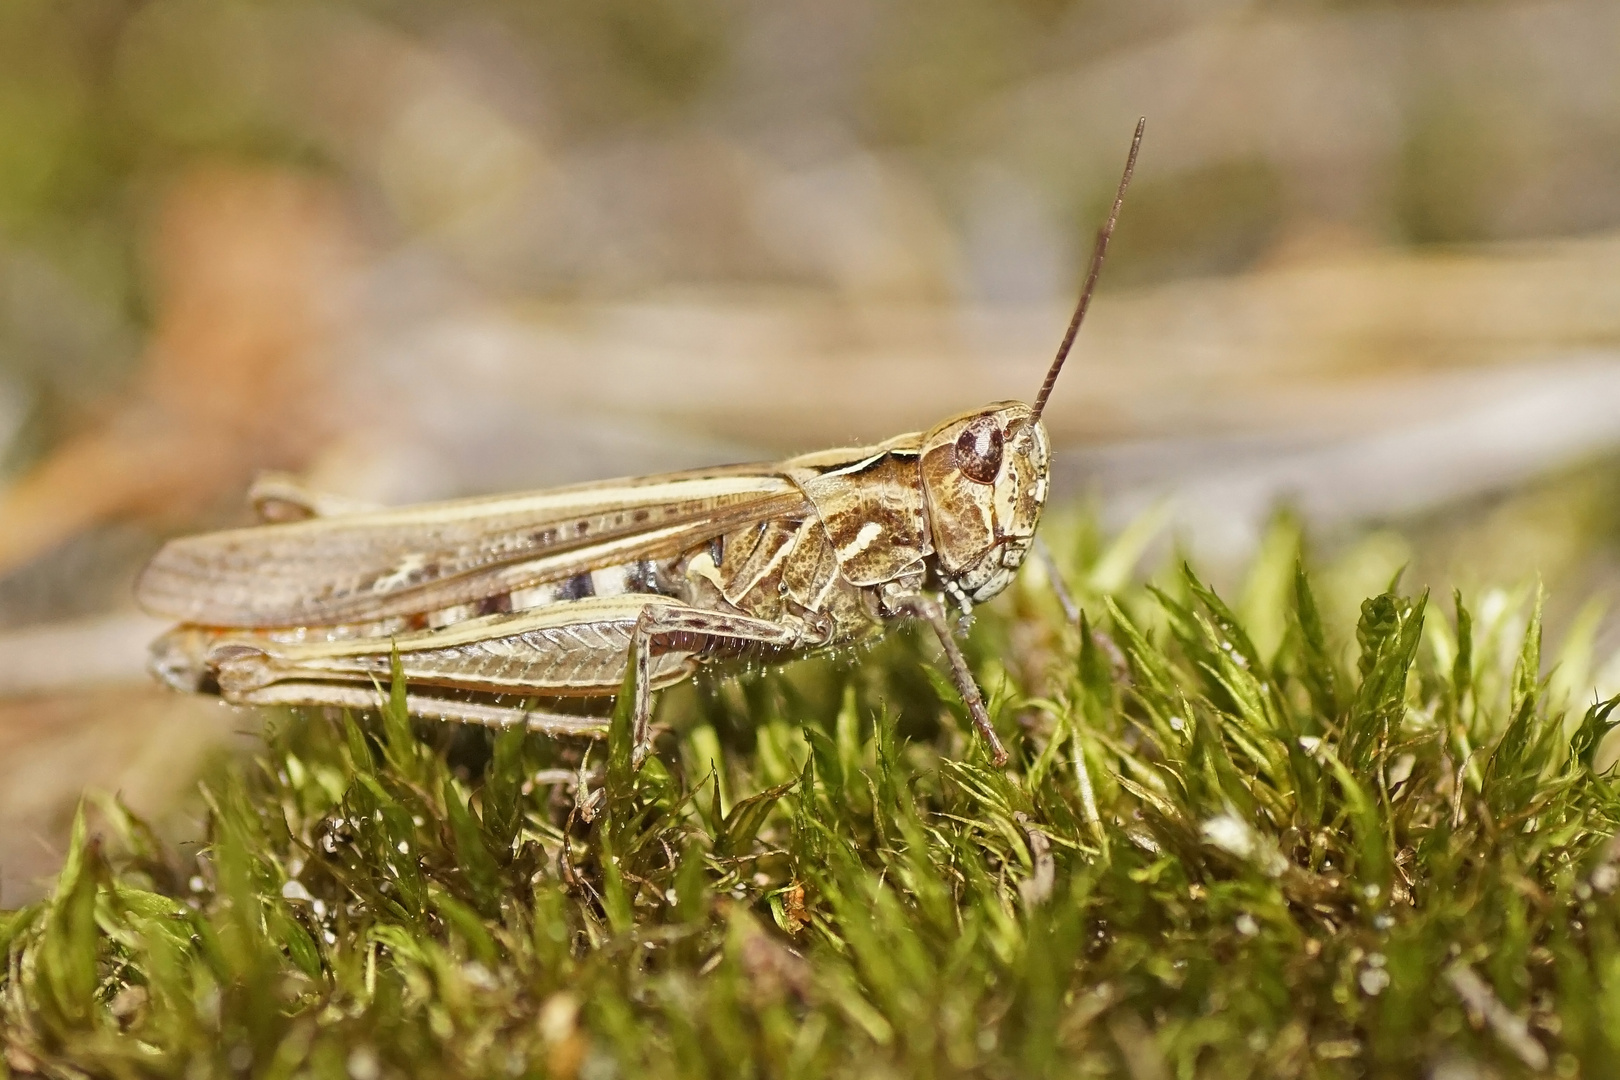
x=932, y=612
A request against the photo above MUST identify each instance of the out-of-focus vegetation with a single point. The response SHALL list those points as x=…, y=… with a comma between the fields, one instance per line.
x=950, y=151
x=1281, y=843
x=321, y=235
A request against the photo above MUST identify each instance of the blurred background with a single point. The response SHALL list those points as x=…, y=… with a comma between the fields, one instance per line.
x=1369, y=272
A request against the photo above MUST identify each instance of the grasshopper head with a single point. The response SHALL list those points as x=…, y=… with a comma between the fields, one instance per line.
x=984, y=474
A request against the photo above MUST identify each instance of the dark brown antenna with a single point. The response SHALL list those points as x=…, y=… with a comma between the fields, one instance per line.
x=1097, y=254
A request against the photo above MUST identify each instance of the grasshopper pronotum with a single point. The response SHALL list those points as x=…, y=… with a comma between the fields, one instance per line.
x=547, y=594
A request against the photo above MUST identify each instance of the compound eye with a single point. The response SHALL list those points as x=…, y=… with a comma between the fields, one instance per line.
x=978, y=451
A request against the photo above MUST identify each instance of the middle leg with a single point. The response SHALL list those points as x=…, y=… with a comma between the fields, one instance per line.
x=665, y=622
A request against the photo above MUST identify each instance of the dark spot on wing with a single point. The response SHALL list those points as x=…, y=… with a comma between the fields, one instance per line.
x=577, y=587
x=499, y=604
x=642, y=515
x=641, y=577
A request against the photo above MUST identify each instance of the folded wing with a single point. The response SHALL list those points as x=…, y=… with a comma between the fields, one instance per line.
x=377, y=564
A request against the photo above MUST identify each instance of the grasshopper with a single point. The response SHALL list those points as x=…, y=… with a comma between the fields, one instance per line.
x=491, y=603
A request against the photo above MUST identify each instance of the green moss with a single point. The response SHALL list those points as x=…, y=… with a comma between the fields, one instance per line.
x=1358, y=850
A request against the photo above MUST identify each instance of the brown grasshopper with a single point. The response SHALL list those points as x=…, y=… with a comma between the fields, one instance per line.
x=547, y=594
